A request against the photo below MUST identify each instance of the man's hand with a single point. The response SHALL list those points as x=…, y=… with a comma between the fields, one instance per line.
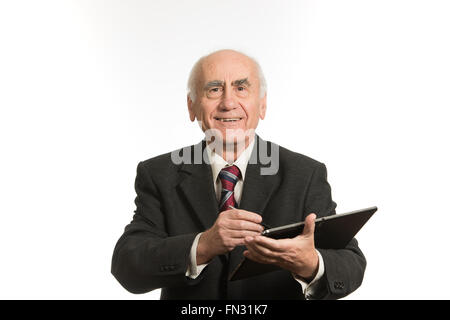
x=229, y=231
x=298, y=255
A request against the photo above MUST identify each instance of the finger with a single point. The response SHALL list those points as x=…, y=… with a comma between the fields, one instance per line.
x=242, y=234
x=228, y=220
x=240, y=214
x=271, y=244
x=234, y=242
x=244, y=225
x=263, y=251
x=309, y=225
x=237, y=242
x=255, y=256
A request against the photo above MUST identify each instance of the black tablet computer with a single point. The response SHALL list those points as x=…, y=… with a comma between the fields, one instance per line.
x=331, y=232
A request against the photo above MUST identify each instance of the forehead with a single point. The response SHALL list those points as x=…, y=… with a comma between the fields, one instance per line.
x=228, y=67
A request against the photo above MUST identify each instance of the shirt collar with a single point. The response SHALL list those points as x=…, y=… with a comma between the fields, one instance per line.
x=218, y=163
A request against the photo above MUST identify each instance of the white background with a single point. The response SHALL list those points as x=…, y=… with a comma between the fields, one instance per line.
x=90, y=88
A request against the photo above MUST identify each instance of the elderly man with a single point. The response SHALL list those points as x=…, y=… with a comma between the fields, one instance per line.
x=199, y=210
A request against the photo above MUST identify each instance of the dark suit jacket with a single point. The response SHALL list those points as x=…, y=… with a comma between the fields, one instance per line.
x=176, y=202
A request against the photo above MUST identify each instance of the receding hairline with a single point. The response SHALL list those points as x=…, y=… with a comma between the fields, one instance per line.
x=227, y=52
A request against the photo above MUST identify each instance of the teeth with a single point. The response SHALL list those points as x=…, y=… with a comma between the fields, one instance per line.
x=228, y=119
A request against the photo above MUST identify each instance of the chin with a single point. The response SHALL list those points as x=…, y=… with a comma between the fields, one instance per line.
x=235, y=137
x=229, y=135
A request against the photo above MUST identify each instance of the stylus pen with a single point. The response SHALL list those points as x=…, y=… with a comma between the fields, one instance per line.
x=266, y=226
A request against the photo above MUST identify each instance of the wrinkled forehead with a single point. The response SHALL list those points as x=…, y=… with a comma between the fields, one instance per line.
x=228, y=68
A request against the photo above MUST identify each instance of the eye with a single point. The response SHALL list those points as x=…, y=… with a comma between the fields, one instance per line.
x=242, y=91
x=214, y=92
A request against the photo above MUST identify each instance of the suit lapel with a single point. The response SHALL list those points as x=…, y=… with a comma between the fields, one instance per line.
x=196, y=184
x=257, y=188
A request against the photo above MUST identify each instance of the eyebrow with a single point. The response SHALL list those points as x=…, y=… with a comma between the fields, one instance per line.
x=214, y=83
x=220, y=83
x=240, y=82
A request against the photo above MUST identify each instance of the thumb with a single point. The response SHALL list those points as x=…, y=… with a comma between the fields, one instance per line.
x=310, y=225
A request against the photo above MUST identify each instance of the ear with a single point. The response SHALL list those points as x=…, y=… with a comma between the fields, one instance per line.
x=263, y=107
x=190, y=105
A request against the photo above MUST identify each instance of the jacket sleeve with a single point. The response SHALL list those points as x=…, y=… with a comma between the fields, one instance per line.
x=146, y=257
x=344, y=268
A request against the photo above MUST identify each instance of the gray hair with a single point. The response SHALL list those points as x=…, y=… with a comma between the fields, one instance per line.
x=192, y=81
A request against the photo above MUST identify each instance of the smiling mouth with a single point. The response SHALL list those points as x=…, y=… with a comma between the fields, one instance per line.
x=228, y=119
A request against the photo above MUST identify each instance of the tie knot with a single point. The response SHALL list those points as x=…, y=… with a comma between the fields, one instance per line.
x=229, y=175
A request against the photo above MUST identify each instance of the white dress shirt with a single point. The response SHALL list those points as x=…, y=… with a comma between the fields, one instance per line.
x=217, y=164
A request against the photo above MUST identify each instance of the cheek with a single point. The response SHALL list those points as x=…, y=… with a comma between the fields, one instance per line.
x=252, y=112
x=205, y=110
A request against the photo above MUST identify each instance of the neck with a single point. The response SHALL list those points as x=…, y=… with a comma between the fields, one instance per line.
x=231, y=151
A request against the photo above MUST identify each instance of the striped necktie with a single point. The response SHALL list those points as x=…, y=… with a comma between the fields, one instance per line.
x=229, y=176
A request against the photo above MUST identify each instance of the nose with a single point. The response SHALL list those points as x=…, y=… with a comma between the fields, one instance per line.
x=228, y=100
